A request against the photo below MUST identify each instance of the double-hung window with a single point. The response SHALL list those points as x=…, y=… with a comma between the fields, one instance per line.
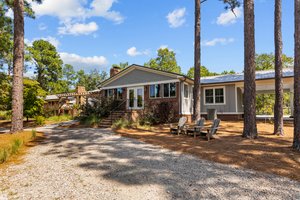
x=214, y=95
x=169, y=90
x=109, y=93
x=120, y=93
x=155, y=91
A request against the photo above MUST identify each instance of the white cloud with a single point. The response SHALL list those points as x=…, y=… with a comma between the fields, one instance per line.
x=55, y=42
x=163, y=46
x=78, y=29
x=214, y=42
x=42, y=26
x=9, y=13
x=80, y=62
x=67, y=10
x=229, y=17
x=74, y=12
x=176, y=18
x=132, y=51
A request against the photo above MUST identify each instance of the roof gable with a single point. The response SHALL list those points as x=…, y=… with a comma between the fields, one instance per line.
x=136, y=74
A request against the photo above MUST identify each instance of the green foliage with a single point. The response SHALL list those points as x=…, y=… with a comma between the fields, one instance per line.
x=5, y=115
x=60, y=118
x=17, y=143
x=70, y=77
x=228, y=72
x=48, y=65
x=39, y=120
x=165, y=61
x=6, y=37
x=99, y=107
x=90, y=120
x=267, y=61
x=3, y=155
x=203, y=72
x=158, y=114
x=5, y=91
x=91, y=80
x=265, y=104
x=122, y=123
x=121, y=65
x=33, y=134
x=33, y=98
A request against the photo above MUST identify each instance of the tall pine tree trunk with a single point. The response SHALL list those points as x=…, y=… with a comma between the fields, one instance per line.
x=250, y=128
x=296, y=142
x=18, y=63
x=278, y=107
x=197, y=60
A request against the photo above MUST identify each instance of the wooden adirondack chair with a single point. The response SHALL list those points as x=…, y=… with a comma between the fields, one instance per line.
x=213, y=129
x=199, y=125
x=180, y=127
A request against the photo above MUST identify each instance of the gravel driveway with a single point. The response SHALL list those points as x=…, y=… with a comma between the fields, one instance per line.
x=96, y=164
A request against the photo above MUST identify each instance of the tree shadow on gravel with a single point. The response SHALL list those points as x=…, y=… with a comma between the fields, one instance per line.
x=131, y=162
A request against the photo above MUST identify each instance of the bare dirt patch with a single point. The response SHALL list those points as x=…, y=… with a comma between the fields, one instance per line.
x=269, y=153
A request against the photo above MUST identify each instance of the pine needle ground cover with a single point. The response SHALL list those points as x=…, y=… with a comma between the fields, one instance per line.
x=269, y=153
x=12, y=146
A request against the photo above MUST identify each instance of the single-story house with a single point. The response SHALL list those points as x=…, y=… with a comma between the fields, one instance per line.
x=140, y=86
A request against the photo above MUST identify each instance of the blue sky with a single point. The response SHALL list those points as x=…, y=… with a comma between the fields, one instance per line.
x=98, y=33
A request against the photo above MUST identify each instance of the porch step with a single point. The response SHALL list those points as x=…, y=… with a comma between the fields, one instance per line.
x=107, y=122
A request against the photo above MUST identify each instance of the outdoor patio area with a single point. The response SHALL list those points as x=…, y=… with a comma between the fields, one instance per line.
x=269, y=153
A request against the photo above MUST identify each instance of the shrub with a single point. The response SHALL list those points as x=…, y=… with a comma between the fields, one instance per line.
x=100, y=107
x=122, y=123
x=33, y=134
x=15, y=146
x=39, y=120
x=3, y=155
x=60, y=118
x=5, y=115
x=158, y=114
x=91, y=120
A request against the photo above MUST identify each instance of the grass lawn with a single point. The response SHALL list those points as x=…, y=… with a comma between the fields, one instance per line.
x=12, y=146
x=269, y=153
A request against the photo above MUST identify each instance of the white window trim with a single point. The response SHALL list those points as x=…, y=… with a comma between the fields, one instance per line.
x=188, y=91
x=154, y=91
x=163, y=95
x=214, y=95
x=141, y=84
x=135, y=100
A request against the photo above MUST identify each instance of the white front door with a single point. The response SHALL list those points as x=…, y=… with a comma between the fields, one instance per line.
x=135, y=97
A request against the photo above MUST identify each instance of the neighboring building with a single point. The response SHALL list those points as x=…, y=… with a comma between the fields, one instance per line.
x=66, y=103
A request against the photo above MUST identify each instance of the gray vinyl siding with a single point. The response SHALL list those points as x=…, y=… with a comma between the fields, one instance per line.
x=137, y=77
x=240, y=100
x=229, y=105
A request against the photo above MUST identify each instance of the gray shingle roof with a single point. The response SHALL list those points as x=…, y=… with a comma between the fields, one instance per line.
x=260, y=75
x=51, y=97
